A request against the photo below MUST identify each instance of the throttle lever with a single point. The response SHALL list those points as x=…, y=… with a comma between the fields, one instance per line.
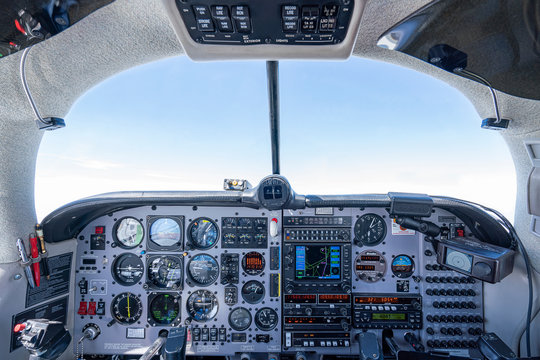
x=369, y=347
x=175, y=345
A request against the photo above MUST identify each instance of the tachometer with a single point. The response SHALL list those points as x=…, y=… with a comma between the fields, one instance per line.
x=370, y=230
x=403, y=266
x=126, y=308
x=202, y=305
x=253, y=263
x=253, y=292
x=128, y=233
x=203, y=233
x=164, y=309
x=266, y=319
x=240, y=319
x=203, y=269
x=165, y=272
x=127, y=269
x=166, y=232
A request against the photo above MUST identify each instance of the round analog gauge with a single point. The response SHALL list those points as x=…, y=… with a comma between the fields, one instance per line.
x=203, y=233
x=229, y=222
x=202, y=305
x=164, y=309
x=253, y=263
x=260, y=224
x=245, y=224
x=253, y=292
x=370, y=229
x=229, y=238
x=166, y=232
x=403, y=266
x=203, y=269
x=165, y=272
x=266, y=319
x=240, y=319
x=126, y=308
x=127, y=269
x=245, y=239
x=128, y=233
x=370, y=266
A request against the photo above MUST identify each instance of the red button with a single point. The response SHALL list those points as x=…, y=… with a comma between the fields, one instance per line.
x=19, y=327
x=82, y=308
x=92, y=308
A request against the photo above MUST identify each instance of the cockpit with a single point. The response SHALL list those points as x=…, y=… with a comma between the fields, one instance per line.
x=259, y=270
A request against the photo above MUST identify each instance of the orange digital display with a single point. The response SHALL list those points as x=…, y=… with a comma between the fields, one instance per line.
x=254, y=263
x=311, y=320
x=370, y=258
x=377, y=300
x=301, y=299
x=365, y=267
x=334, y=299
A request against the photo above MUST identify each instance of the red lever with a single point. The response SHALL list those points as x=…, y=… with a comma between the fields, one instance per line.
x=19, y=327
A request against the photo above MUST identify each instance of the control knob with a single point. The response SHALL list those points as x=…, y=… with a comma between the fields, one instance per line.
x=346, y=287
x=91, y=331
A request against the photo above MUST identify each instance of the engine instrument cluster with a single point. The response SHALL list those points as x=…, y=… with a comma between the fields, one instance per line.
x=270, y=281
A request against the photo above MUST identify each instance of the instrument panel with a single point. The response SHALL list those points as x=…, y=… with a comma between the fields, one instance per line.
x=269, y=281
x=214, y=270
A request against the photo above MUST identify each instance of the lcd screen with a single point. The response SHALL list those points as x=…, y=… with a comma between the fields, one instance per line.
x=322, y=262
x=389, y=316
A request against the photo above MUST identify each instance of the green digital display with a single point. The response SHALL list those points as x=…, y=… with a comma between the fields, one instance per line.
x=389, y=316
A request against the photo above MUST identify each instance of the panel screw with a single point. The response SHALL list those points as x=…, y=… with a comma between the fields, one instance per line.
x=17, y=277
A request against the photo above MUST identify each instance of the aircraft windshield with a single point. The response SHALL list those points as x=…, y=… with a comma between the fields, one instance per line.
x=358, y=126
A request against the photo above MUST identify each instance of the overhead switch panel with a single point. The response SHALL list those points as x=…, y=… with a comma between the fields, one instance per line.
x=284, y=22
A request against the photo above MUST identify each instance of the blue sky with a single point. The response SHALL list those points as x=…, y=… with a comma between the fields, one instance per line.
x=358, y=126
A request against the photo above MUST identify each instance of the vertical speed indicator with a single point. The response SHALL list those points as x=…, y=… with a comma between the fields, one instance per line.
x=369, y=230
